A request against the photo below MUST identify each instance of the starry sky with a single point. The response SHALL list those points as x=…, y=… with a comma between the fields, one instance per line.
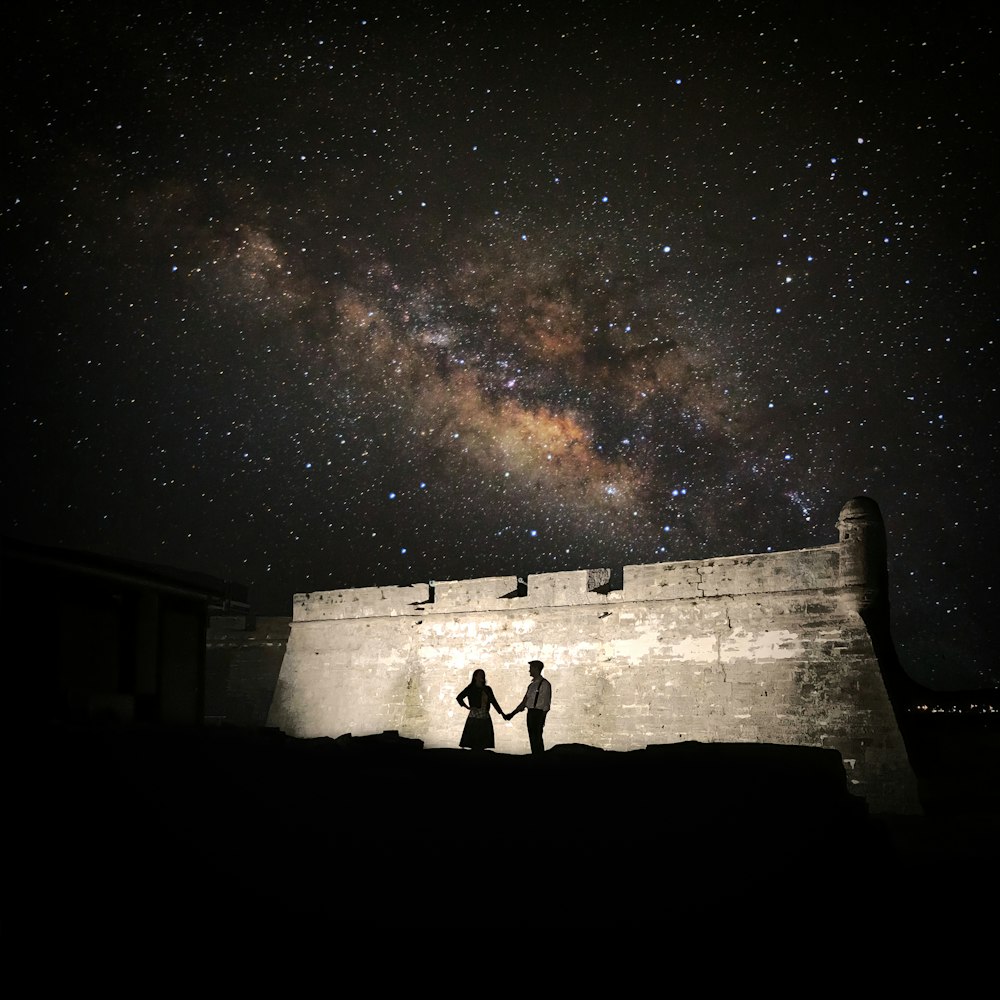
x=322, y=295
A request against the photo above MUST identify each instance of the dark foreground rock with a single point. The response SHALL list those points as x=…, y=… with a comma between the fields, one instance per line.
x=157, y=826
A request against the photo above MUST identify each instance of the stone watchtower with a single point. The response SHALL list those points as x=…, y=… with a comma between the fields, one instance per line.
x=864, y=579
x=776, y=647
x=863, y=573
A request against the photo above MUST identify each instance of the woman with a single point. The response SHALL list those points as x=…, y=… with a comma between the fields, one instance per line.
x=478, y=732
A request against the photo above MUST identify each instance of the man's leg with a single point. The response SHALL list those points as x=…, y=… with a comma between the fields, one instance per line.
x=536, y=723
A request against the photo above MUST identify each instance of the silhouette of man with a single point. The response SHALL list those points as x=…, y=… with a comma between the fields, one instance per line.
x=537, y=700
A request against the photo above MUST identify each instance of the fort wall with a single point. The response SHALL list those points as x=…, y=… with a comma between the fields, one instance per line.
x=243, y=657
x=768, y=648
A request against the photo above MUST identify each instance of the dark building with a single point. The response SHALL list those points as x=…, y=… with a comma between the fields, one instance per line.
x=103, y=639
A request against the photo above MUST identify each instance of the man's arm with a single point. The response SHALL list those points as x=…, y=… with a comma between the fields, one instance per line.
x=520, y=708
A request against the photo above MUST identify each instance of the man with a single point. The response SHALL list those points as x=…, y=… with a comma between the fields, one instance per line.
x=537, y=700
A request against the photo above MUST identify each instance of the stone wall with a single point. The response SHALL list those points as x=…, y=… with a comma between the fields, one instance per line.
x=243, y=658
x=766, y=648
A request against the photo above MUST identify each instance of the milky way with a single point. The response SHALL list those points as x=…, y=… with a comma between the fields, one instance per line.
x=318, y=296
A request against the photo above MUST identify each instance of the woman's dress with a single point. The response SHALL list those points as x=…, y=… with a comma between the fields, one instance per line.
x=478, y=731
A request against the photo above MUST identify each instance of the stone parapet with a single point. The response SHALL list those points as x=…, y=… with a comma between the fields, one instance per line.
x=486, y=594
x=762, y=573
x=765, y=573
x=361, y=602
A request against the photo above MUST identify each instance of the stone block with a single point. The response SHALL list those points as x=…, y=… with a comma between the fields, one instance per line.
x=362, y=602
x=485, y=594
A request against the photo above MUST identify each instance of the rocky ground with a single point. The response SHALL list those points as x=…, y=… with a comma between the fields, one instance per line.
x=156, y=825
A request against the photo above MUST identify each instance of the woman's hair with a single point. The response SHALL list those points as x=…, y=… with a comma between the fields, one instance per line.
x=478, y=670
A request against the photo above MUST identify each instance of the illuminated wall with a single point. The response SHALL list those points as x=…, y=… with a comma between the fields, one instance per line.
x=765, y=648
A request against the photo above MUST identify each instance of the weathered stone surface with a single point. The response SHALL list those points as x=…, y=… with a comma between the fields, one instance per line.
x=243, y=657
x=363, y=602
x=758, y=648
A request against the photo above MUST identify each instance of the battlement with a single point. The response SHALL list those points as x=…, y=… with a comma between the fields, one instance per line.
x=762, y=573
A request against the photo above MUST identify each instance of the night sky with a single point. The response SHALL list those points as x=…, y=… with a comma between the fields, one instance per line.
x=313, y=296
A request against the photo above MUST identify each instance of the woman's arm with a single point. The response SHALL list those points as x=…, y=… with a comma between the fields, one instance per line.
x=463, y=695
x=493, y=702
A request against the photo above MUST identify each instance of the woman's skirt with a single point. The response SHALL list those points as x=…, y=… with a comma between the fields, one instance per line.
x=478, y=732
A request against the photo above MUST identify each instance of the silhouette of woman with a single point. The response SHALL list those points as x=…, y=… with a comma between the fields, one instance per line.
x=478, y=732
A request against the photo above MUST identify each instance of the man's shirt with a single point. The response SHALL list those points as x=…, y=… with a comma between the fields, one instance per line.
x=539, y=695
